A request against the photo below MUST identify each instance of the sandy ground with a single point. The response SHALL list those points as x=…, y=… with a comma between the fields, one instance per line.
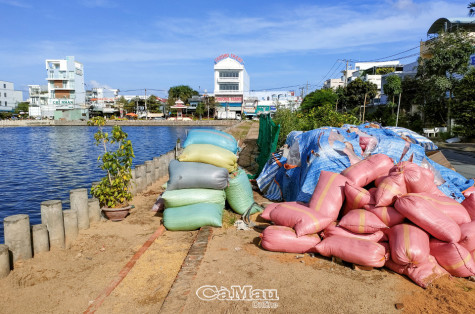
x=68, y=281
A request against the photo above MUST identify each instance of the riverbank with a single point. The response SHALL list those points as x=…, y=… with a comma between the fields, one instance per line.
x=70, y=280
x=25, y=123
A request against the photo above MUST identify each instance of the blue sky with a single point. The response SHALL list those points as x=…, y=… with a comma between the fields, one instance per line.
x=157, y=44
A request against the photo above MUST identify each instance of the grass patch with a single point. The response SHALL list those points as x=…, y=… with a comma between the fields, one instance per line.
x=229, y=218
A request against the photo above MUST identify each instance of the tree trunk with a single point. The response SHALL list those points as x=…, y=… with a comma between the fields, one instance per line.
x=364, y=107
x=398, y=105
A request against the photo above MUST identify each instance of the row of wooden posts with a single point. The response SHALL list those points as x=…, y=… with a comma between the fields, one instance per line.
x=59, y=228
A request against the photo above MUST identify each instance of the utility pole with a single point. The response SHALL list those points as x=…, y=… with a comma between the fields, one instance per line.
x=306, y=92
x=146, y=111
x=346, y=73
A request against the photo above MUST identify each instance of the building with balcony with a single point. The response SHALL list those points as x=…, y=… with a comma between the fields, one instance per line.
x=231, y=82
x=38, y=99
x=9, y=97
x=66, y=92
x=103, y=100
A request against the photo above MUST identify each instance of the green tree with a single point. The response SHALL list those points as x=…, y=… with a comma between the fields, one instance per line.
x=22, y=107
x=464, y=105
x=359, y=93
x=450, y=53
x=319, y=98
x=392, y=87
x=152, y=104
x=471, y=9
x=181, y=91
x=200, y=109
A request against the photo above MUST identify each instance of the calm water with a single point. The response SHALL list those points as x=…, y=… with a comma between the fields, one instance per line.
x=45, y=163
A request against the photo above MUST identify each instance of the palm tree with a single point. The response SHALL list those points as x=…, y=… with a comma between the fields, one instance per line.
x=471, y=7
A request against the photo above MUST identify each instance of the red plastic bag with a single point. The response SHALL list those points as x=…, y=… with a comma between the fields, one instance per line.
x=453, y=257
x=389, y=188
x=361, y=221
x=353, y=250
x=423, y=274
x=388, y=215
x=469, y=204
x=284, y=239
x=409, y=244
x=367, y=170
x=333, y=229
x=329, y=194
x=355, y=197
x=299, y=217
x=468, y=236
x=431, y=219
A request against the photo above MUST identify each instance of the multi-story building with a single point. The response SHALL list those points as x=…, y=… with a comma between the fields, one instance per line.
x=103, y=100
x=9, y=97
x=231, y=82
x=66, y=92
x=38, y=99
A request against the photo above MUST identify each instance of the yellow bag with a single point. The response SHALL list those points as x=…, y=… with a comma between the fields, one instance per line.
x=210, y=154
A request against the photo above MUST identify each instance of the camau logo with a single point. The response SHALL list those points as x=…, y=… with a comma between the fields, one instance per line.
x=261, y=298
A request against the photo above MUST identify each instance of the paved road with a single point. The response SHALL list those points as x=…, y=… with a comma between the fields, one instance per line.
x=464, y=163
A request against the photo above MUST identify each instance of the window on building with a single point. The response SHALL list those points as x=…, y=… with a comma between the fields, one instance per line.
x=228, y=86
x=4, y=85
x=6, y=103
x=5, y=94
x=228, y=74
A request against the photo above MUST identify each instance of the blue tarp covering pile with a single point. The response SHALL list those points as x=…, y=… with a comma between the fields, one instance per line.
x=294, y=177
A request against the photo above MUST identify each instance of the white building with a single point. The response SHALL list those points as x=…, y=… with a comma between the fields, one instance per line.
x=334, y=83
x=9, y=97
x=270, y=101
x=103, y=100
x=38, y=99
x=66, y=92
x=231, y=82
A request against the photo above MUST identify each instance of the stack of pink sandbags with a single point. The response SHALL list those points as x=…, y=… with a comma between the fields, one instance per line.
x=375, y=213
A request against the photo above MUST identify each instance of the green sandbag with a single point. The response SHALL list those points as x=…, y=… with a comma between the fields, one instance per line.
x=183, y=197
x=192, y=217
x=239, y=192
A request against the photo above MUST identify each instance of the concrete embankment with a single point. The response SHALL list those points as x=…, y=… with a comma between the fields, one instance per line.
x=22, y=123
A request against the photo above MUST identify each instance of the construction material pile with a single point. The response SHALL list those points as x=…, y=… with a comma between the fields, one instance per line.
x=202, y=179
x=377, y=200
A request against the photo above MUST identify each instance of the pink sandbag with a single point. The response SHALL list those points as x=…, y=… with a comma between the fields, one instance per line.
x=409, y=244
x=355, y=197
x=388, y=215
x=417, y=179
x=389, y=188
x=299, y=217
x=423, y=274
x=353, y=250
x=469, y=191
x=329, y=194
x=448, y=206
x=469, y=204
x=333, y=229
x=423, y=213
x=453, y=257
x=468, y=236
x=284, y=239
x=367, y=170
x=267, y=210
x=361, y=221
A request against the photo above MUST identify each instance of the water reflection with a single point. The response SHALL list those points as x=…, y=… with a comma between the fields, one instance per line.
x=44, y=163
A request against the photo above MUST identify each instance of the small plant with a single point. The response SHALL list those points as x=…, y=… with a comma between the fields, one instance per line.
x=113, y=191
